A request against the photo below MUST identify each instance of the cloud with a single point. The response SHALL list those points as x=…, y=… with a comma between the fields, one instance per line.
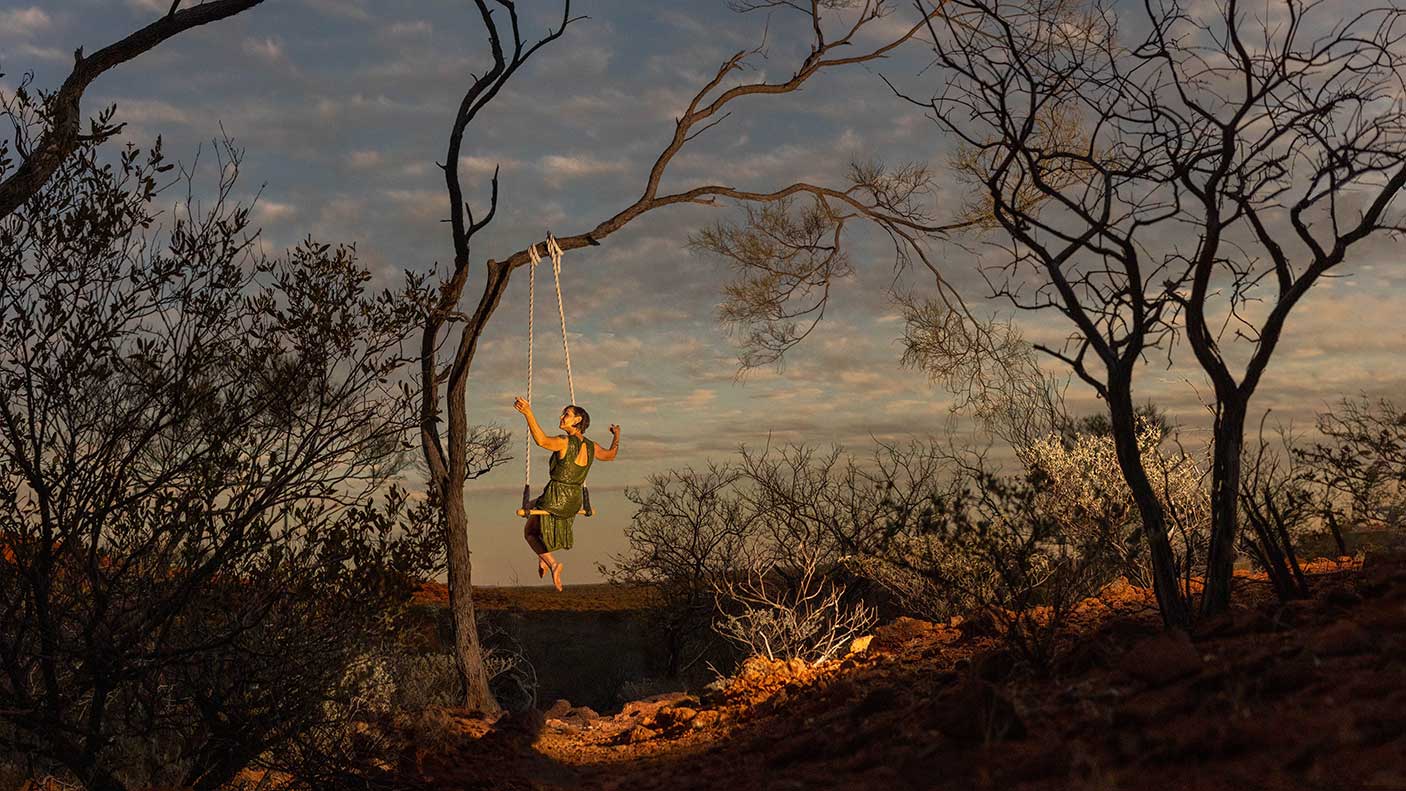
x=43, y=53
x=417, y=27
x=339, y=215
x=699, y=398
x=648, y=316
x=346, y=9
x=420, y=205
x=153, y=112
x=485, y=165
x=578, y=166
x=577, y=62
x=365, y=158
x=24, y=22
x=267, y=48
x=888, y=28
x=272, y=211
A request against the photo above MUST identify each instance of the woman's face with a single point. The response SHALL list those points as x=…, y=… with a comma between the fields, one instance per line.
x=569, y=419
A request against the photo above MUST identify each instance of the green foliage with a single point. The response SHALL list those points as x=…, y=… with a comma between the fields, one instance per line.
x=197, y=509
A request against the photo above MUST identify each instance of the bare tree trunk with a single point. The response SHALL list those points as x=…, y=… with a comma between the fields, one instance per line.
x=449, y=471
x=1331, y=517
x=1165, y=583
x=468, y=653
x=1225, y=488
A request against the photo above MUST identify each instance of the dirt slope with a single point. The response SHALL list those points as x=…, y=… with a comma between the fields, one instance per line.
x=1304, y=696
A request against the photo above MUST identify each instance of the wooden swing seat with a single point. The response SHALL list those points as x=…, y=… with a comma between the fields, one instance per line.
x=525, y=511
x=539, y=512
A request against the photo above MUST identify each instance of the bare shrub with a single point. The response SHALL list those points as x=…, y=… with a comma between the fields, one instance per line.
x=790, y=613
x=511, y=675
x=689, y=529
x=836, y=504
x=1278, y=504
x=696, y=531
x=1361, y=467
x=912, y=592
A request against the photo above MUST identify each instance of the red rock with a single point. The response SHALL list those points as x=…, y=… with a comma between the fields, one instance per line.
x=705, y=719
x=561, y=726
x=891, y=636
x=675, y=715
x=583, y=713
x=639, y=733
x=757, y=667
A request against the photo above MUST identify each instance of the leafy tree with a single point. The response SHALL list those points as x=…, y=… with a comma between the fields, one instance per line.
x=196, y=443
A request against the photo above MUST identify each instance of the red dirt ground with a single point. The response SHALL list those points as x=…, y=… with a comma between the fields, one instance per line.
x=600, y=596
x=1308, y=695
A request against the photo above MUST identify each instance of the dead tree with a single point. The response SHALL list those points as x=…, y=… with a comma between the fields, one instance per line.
x=64, y=117
x=884, y=198
x=1195, y=180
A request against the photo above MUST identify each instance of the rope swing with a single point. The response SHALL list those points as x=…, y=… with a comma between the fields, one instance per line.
x=554, y=250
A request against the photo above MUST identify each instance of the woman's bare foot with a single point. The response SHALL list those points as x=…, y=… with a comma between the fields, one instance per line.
x=556, y=574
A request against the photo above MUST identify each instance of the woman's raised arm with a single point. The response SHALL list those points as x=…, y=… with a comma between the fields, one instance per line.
x=539, y=436
x=608, y=454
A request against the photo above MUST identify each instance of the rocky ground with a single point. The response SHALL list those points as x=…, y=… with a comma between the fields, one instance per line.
x=1308, y=695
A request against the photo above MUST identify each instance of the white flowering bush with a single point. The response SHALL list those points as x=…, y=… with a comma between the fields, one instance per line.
x=793, y=613
x=1089, y=498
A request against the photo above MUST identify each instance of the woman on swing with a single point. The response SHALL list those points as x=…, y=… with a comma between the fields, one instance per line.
x=572, y=456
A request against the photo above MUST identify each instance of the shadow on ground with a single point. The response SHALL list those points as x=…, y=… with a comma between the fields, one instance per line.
x=1306, y=695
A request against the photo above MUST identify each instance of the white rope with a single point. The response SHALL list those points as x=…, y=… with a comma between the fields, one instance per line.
x=531, y=309
x=555, y=250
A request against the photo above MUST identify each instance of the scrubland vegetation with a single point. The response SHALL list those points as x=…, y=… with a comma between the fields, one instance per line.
x=212, y=574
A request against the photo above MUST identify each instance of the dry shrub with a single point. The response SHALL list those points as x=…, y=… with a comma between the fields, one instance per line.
x=1089, y=498
x=991, y=545
x=1360, y=466
x=782, y=613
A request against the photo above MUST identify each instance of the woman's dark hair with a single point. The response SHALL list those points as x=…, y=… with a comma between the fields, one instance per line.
x=584, y=415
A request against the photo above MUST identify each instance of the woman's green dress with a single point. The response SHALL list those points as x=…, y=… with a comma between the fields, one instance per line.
x=562, y=497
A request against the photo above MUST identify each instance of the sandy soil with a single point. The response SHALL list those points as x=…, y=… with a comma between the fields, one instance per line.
x=1308, y=695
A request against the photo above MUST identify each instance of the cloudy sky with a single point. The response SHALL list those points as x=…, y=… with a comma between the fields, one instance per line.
x=343, y=107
